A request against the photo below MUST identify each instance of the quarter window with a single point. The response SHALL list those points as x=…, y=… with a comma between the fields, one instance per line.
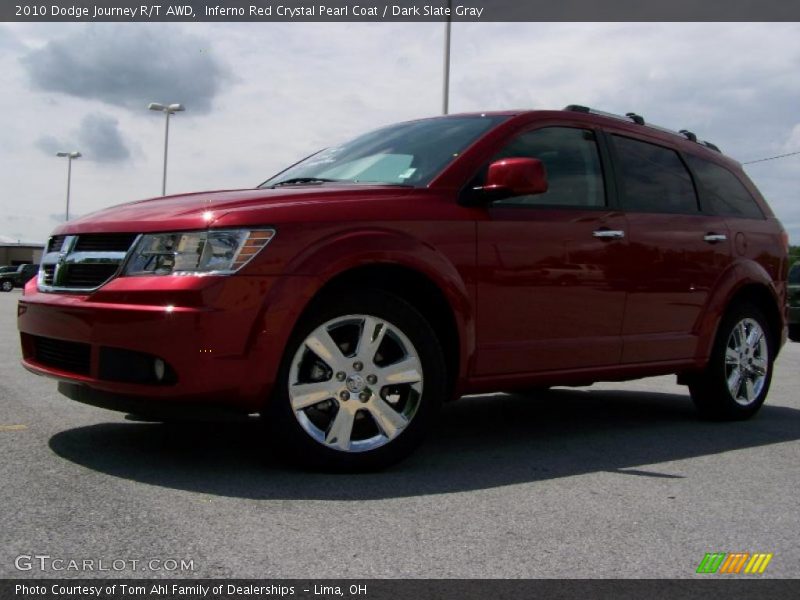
x=723, y=193
x=572, y=163
x=654, y=179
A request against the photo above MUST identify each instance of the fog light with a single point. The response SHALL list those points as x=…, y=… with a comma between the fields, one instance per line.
x=159, y=368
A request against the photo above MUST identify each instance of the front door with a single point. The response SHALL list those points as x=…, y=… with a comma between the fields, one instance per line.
x=551, y=267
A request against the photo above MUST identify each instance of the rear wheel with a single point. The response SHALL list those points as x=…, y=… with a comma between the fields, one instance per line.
x=736, y=381
x=359, y=386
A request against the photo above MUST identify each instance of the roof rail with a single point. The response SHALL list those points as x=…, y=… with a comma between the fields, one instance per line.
x=639, y=120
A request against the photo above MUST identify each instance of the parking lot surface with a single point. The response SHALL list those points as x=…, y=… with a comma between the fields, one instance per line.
x=614, y=480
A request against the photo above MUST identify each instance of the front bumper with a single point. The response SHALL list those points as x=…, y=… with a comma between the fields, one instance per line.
x=150, y=408
x=212, y=334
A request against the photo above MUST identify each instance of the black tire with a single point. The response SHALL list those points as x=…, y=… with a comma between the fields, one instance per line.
x=794, y=332
x=293, y=443
x=710, y=389
x=6, y=285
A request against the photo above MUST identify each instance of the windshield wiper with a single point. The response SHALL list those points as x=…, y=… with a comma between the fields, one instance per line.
x=386, y=183
x=302, y=180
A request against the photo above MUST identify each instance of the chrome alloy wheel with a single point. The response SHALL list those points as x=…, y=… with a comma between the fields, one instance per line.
x=355, y=383
x=746, y=361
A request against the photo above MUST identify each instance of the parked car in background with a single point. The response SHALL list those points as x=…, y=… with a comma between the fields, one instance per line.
x=16, y=276
x=348, y=296
x=794, y=302
x=6, y=278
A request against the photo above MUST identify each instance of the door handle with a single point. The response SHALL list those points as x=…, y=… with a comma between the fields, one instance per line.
x=713, y=238
x=608, y=234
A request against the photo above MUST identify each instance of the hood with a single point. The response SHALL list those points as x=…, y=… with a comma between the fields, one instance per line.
x=231, y=208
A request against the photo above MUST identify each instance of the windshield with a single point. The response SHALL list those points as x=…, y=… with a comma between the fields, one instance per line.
x=410, y=153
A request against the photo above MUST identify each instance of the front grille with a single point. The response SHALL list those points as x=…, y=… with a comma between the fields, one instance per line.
x=55, y=243
x=49, y=271
x=81, y=275
x=104, y=242
x=72, y=357
x=83, y=262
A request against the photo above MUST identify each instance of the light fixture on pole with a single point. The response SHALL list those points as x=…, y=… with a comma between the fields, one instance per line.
x=446, y=86
x=167, y=109
x=69, y=156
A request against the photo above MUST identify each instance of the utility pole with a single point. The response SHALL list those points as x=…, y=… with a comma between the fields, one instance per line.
x=69, y=156
x=446, y=86
x=167, y=109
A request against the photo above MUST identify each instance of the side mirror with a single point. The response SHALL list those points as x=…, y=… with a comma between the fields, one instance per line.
x=515, y=177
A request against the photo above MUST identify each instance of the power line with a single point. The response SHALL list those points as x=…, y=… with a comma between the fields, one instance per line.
x=771, y=158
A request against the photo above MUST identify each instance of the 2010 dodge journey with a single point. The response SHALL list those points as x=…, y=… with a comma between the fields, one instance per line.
x=350, y=295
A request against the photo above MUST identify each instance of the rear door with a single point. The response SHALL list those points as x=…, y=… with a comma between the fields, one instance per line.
x=676, y=251
x=753, y=236
x=551, y=291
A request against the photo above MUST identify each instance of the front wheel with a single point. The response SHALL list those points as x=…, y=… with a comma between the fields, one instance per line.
x=7, y=285
x=360, y=384
x=735, y=383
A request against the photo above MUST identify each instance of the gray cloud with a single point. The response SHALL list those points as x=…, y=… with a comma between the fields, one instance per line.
x=49, y=144
x=8, y=40
x=129, y=67
x=98, y=138
x=101, y=137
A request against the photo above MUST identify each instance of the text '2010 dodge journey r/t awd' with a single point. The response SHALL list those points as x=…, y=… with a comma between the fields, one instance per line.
x=350, y=295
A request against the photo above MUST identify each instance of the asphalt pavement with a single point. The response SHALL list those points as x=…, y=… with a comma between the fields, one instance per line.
x=613, y=480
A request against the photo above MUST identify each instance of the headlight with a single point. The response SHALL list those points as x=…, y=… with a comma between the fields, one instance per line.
x=219, y=252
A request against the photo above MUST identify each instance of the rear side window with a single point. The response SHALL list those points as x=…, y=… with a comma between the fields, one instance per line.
x=572, y=163
x=723, y=193
x=654, y=178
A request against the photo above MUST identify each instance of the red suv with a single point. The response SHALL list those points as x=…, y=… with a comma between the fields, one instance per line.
x=346, y=297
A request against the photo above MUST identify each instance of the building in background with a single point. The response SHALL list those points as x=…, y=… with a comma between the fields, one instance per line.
x=16, y=252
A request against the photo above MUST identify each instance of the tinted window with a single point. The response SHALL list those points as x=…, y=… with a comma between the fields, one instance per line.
x=572, y=163
x=654, y=179
x=723, y=193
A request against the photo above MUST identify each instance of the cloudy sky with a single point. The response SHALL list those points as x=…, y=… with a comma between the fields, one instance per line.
x=261, y=95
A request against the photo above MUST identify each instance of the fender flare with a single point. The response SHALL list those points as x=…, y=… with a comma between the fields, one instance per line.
x=311, y=270
x=740, y=274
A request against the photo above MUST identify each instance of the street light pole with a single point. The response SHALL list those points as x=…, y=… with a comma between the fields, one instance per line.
x=167, y=109
x=446, y=86
x=69, y=156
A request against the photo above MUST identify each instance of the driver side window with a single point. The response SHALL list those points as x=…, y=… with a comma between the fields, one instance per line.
x=572, y=162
